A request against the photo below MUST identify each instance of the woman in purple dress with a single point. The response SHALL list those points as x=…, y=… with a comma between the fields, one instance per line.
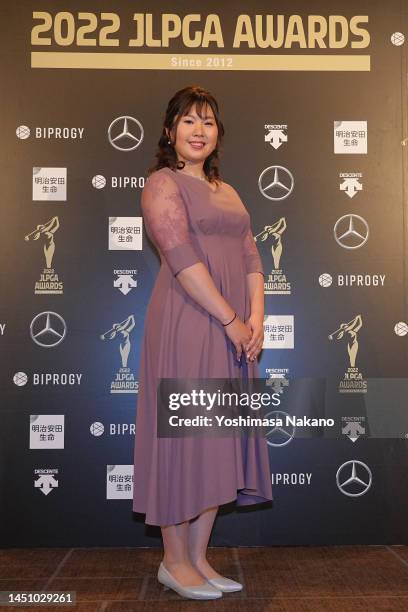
x=204, y=320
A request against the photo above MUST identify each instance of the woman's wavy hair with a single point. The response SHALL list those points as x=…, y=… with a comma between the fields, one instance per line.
x=179, y=105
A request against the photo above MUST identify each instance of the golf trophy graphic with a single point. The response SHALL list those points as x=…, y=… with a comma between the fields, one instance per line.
x=49, y=282
x=124, y=381
x=276, y=282
x=353, y=381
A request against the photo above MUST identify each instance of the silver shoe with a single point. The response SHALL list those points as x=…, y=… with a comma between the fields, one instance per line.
x=226, y=585
x=202, y=591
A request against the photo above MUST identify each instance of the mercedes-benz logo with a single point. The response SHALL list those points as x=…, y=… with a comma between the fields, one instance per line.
x=279, y=435
x=354, y=478
x=276, y=183
x=125, y=133
x=48, y=329
x=351, y=231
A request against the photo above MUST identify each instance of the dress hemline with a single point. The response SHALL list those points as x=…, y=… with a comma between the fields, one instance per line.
x=252, y=500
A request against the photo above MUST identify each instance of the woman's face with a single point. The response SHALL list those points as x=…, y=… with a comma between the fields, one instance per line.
x=196, y=137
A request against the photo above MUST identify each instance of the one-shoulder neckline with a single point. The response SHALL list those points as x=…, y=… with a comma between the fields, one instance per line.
x=194, y=178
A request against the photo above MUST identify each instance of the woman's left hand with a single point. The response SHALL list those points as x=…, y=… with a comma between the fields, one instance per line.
x=254, y=347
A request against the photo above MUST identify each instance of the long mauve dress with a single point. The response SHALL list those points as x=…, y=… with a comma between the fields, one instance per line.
x=175, y=479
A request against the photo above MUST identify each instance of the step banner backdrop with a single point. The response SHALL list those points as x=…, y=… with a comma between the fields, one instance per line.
x=313, y=97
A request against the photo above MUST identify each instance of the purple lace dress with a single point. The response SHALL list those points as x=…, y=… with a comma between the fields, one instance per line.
x=175, y=479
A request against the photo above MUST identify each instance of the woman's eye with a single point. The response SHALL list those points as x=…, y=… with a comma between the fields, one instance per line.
x=190, y=121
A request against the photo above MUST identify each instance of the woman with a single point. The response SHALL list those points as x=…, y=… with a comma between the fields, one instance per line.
x=204, y=320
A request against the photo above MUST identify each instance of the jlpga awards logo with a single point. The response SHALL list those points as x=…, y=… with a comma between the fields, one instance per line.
x=121, y=335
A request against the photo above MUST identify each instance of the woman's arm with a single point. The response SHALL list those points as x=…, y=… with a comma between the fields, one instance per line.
x=198, y=283
x=255, y=284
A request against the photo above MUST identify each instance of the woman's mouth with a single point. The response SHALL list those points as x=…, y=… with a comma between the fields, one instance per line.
x=197, y=145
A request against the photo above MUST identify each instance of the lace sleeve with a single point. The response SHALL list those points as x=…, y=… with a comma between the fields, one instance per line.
x=253, y=262
x=166, y=221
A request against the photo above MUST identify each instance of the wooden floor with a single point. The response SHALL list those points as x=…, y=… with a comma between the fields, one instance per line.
x=336, y=578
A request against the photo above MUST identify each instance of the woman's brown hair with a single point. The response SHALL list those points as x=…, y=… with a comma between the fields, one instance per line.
x=178, y=106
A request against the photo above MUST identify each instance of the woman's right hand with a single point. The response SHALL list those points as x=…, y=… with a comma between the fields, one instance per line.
x=239, y=334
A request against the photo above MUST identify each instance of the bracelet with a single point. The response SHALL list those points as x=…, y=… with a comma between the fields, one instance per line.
x=225, y=324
